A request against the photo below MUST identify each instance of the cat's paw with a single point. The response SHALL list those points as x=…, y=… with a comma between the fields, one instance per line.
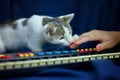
x=34, y=48
x=75, y=37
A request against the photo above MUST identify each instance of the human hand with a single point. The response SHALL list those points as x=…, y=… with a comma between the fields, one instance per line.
x=108, y=39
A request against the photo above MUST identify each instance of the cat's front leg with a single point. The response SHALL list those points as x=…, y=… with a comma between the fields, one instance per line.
x=34, y=40
x=2, y=47
x=34, y=44
x=34, y=47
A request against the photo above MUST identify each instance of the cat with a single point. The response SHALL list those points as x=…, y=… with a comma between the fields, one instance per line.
x=33, y=32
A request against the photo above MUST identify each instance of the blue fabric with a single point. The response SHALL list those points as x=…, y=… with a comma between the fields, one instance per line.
x=89, y=15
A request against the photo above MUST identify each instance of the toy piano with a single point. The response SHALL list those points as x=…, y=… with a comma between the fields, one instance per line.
x=30, y=61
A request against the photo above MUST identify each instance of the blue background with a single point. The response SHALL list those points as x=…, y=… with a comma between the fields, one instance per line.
x=89, y=15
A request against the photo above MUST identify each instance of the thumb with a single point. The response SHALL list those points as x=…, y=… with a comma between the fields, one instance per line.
x=104, y=45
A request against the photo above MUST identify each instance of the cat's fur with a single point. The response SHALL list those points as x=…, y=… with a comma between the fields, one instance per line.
x=34, y=31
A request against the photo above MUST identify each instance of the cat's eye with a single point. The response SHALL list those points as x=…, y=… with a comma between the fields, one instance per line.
x=62, y=38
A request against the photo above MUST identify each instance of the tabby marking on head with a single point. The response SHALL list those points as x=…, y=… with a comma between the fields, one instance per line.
x=58, y=29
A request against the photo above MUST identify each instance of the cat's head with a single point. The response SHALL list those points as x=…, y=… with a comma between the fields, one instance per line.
x=58, y=30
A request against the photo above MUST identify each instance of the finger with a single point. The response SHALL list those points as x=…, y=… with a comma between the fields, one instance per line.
x=84, y=34
x=72, y=46
x=84, y=39
x=87, y=38
x=104, y=45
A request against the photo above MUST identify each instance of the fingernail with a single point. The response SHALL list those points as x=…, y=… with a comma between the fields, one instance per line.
x=72, y=46
x=76, y=42
x=71, y=43
x=99, y=48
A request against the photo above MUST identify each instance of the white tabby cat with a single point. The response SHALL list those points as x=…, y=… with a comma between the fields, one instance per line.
x=33, y=32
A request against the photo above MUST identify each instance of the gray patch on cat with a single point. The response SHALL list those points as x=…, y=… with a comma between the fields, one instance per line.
x=24, y=23
x=55, y=30
x=14, y=26
x=9, y=23
x=56, y=20
x=65, y=23
x=59, y=32
x=68, y=26
x=58, y=23
x=47, y=20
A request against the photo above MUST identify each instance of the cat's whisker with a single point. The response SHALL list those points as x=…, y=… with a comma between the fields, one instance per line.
x=59, y=47
x=63, y=47
x=56, y=47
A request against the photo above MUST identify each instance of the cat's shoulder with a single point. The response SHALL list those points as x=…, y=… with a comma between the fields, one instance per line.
x=37, y=19
x=35, y=16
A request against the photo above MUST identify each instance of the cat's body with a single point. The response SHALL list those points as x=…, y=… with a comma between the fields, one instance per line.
x=33, y=32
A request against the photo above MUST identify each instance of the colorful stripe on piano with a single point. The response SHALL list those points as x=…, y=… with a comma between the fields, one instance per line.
x=44, y=53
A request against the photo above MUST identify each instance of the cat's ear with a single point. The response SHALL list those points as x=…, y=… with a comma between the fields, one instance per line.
x=67, y=18
x=46, y=20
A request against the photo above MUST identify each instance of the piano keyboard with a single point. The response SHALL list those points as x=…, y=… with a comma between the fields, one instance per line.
x=22, y=61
